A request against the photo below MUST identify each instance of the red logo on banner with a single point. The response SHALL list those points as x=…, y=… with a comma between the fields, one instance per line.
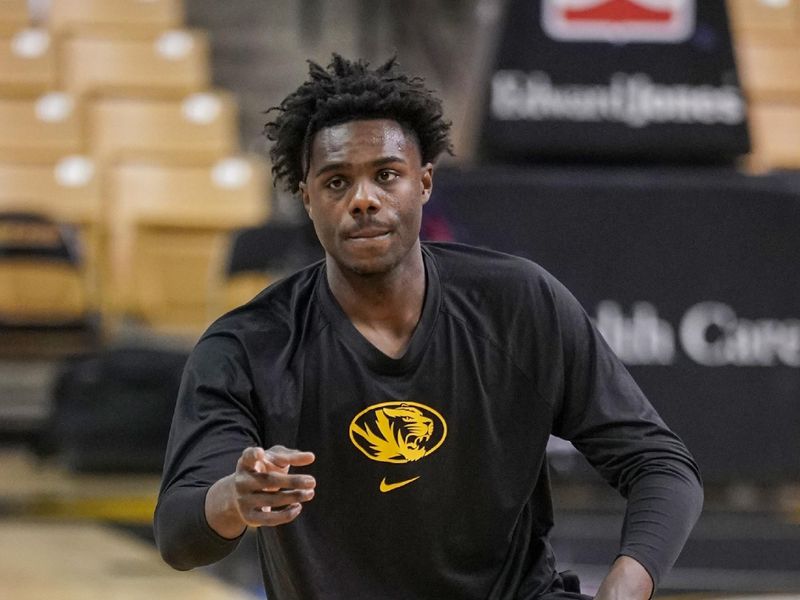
x=618, y=21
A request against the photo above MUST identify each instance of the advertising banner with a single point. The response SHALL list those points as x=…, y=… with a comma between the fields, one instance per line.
x=614, y=79
x=692, y=279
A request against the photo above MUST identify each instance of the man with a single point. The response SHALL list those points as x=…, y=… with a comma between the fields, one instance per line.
x=382, y=416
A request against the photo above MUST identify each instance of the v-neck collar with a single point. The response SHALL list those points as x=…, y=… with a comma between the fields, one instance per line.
x=371, y=355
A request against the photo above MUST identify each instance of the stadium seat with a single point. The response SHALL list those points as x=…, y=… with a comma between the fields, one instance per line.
x=124, y=17
x=27, y=63
x=168, y=227
x=767, y=43
x=39, y=272
x=770, y=69
x=258, y=256
x=40, y=130
x=170, y=64
x=199, y=129
x=42, y=288
x=764, y=19
x=67, y=192
x=13, y=15
x=775, y=131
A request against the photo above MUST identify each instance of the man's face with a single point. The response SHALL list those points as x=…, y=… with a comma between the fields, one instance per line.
x=364, y=192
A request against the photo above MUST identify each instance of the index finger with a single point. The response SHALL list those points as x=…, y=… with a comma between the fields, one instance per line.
x=280, y=456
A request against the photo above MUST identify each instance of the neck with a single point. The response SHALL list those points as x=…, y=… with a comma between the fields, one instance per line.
x=384, y=307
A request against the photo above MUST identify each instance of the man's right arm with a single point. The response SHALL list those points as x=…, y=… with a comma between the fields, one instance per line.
x=203, y=492
x=261, y=492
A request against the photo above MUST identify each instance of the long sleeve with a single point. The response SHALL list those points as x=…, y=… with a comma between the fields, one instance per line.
x=609, y=420
x=214, y=421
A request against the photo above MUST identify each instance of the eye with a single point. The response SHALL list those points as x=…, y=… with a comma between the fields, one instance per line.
x=336, y=183
x=387, y=175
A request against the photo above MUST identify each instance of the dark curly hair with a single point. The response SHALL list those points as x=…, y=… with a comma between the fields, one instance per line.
x=347, y=91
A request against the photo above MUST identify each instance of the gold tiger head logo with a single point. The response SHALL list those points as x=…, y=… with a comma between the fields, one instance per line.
x=398, y=432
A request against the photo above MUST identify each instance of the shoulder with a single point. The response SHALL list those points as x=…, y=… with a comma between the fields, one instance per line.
x=275, y=313
x=502, y=295
x=485, y=271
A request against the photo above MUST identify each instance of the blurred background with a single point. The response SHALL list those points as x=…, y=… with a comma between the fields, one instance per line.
x=646, y=152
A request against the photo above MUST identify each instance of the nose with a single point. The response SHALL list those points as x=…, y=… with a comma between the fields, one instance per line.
x=365, y=200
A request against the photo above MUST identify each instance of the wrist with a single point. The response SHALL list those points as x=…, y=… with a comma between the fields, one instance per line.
x=222, y=511
x=627, y=580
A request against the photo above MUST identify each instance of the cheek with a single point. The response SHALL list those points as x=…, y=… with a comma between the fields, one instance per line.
x=324, y=236
x=325, y=223
x=411, y=206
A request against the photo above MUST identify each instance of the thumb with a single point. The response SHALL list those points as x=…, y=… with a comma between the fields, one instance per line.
x=253, y=459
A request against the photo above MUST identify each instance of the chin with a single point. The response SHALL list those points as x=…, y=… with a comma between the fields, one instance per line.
x=371, y=263
x=369, y=268
x=367, y=264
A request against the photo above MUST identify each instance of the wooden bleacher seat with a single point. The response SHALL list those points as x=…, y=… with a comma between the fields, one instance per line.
x=774, y=132
x=764, y=19
x=170, y=64
x=199, y=129
x=13, y=15
x=770, y=69
x=766, y=38
x=40, y=280
x=67, y=192
x=168, y=230
x=258, y=256
x=27, y=63
x=124, y=17
x=40, y=130
x=42, y=287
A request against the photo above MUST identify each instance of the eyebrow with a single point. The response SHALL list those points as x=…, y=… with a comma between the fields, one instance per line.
x=343, y=165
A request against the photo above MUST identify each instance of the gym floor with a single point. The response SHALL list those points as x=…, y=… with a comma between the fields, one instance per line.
x=77, y=536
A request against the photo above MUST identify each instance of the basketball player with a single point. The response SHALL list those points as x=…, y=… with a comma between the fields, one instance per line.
x=381, y=416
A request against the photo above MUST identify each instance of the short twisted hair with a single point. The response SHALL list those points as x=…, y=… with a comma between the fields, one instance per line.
x=348, y=91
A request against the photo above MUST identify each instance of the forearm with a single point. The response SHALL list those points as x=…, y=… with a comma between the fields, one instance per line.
x=183, y=535
x=662, y=509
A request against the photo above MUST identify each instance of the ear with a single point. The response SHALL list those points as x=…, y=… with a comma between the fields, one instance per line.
x=306, y=198
x=427, y=182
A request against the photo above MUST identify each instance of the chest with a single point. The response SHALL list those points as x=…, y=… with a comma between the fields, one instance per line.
x=442, y=455
x=464, y=405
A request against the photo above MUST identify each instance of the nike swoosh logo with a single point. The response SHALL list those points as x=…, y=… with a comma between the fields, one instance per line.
x=388, y=487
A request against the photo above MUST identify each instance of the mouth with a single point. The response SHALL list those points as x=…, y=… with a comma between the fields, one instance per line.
x=369, y=234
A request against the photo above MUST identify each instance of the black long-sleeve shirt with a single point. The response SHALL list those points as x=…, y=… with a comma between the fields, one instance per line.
x=431, y=473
